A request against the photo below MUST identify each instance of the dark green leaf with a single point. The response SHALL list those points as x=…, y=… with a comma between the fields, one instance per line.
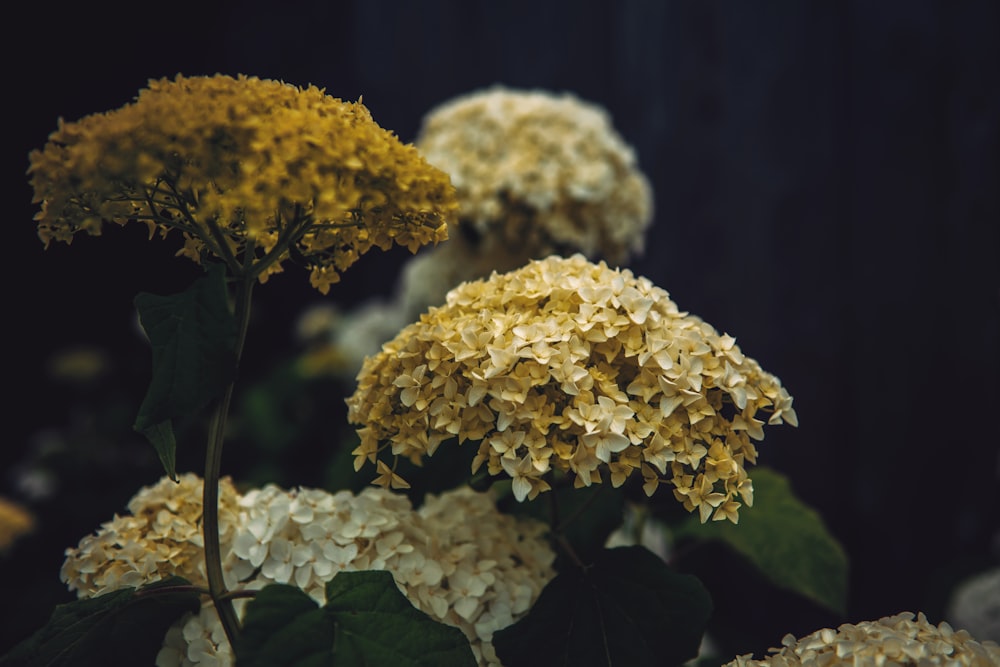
x=628, y=608
x=124, y=627
x=161, y=435
x=366, y=621
x=784, y=539
x=193, y=336
x=284, y=626
x=451, y=466
x=586, y=515
x=377, y=626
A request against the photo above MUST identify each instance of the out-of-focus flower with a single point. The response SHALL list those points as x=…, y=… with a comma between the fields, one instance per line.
x=975, y=605
x=81, y=364
x=161, y=536
x=640, y=527
x=15, y=523
x=252, y=171
x=457, y=558
x=567, y=365
x=903, y=639
x=539, y=173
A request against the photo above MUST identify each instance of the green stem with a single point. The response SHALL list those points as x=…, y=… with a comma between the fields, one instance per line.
x=213, y=465
x=559, y=535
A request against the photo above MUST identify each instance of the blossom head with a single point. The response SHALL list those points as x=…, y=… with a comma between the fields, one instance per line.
x=15, y=522
x=570, y=366
x=893, y=640
x=248, y=170
x=539, y=173
x=456, y=558
x=161, y=536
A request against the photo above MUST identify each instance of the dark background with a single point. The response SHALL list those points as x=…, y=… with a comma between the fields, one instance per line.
x=827, y=190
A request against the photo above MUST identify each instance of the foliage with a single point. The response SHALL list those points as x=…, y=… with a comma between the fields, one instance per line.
x=193, y=336
x=807, y=560
x=627, y=608
x=365, y=621
x=123, y=627
x=566, y=376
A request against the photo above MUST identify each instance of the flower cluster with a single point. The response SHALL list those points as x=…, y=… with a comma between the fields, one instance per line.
x=538, y=173
x=160, y=537
x=15, y=522
x=570, y=366
x=249, y=170
x=893, y=640
x=456, y=557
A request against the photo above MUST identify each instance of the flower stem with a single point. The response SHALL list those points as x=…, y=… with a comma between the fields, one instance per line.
x=213, y=465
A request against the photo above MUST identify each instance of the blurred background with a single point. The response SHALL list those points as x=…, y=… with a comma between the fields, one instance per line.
x=827, y=190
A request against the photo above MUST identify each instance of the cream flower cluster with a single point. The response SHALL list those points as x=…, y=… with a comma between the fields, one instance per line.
x=539, y=172
x=571, y=366
x=894, y=640
x=456, y=557
x=160, y=537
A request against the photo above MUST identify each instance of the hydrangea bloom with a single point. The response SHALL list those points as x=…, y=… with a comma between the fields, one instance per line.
x=975, y=604
x=538, y=173
x=457, y=558
x=246, y=169
x=894, y=640
x=15, y=522
x=160, y=537
x=570, y=366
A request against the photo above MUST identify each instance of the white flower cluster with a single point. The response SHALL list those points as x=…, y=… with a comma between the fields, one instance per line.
x=456, y=557
x=892, y=640
x=539, y=171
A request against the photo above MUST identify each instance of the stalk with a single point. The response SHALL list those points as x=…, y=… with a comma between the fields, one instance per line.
x=213, y=465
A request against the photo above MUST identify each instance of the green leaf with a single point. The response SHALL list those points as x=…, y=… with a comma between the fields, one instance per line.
x=193, y=336
x=588, y=514
x=366, y=621
x=284, y=626
x=377, y=626
x=628, y=608
x=784, y=539
x=124, y=627
x=161, y=436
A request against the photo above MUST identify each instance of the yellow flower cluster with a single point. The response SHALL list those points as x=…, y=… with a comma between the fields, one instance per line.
x=570, y=366
x=538, y=173
x=249, y=170
x=159, y=538
x=457, y=557
x=893, y=640
x=15, y=522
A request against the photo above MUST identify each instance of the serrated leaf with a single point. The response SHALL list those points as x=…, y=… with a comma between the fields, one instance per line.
x=284, y=626
x=193, y=336
x=628, y=608
x=366, y=621
x=124, y=627
x=784, y=539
